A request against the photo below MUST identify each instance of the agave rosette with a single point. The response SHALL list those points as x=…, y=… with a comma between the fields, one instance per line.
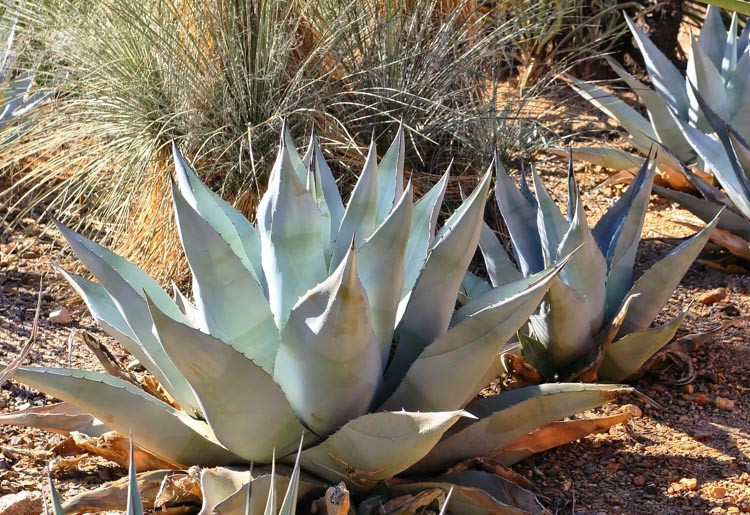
x=718, y=66
x=595, y=319
x=325, y=322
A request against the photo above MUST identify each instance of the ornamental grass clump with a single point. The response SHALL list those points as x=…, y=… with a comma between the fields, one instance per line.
x=327, y=323
x=595, y=319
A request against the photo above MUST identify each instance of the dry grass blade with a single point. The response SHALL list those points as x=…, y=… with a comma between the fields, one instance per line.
x=13, y=365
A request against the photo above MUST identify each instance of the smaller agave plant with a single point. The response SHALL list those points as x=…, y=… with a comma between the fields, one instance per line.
x=595, y=319
x=323, y=322
x=14, y=89
x=718, y=67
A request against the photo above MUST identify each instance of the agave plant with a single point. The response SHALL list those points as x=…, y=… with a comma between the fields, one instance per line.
x=718, y=66
x=727, y=154
x=324, y=322
x=14, y=93
x=595, y=319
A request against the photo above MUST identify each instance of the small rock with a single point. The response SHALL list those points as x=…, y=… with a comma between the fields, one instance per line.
x=60, y=315
x=567, y=485
x=689, y=388
x=712, y=296
x=717, y=492
x=689, y=483
x=701, y=399
x=639, y=480
x=589, y=469
x=723, y=403
x=733, y=510
x=22, y=503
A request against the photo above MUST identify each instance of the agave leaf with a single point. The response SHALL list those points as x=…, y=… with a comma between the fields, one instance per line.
x=610, y=158
x=108, y=317
x=521, y=219
x=134, y=505
x=326, y=182
x=627, y=355
x=270, y=508
x=707, y=211
x=741, y=150
x=294, y=157
x=477, y=493
x=665, y=77
x=230, y=224
x=658, y=283
x=505, y=417
x=433, y=300
x=329, y=363
x=738, y=89
x=187, y=309
x=707, y=78
x=550, y=221
x=391, y=176
x=289, y=225
x=59, y=418
x=636, y=125
x=713, y=36
x=667, y=131
x=536, y=354
x=472, y=287
x=158, y=427
x=217, y=484
x=57, y=508
x=729, y=59
x=586, y=271
x=444, y=375
x=359, y=218
x=127, y=285
x=499, y=266
x=421, y=233
x=217, y=371
x=377, y=446
x=289, y=505
x=231, y=304
x=380, y=262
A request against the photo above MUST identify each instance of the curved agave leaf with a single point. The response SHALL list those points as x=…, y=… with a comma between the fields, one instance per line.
x=520, y=217
x=217, y=484
x=667, y=131
x=108, y=317
x=230, y=224
x=610, y=158
x=665, y=77
x=702, y=73
x=57, y=508
x=391, y=177
x=444, y=375
x=127, y=284
x=729, y=59
x=658, y=283
x=294, y=158
x=472, y=287
x=239, y=399
x=380, y=262
x=187, y=309
x=325, y=184
x=135, y=504
x=231, y=305
x=289, y=223
x=738, y=89
x=635, y=124
x=328, y=363
x=505, y=417
x=156, y=426
x=358, y=222
x=377, y=446
x=627, y=355
x=499, y=266
x=433, y=300
x=477, y=493
x=707, y=211
x=421, y=233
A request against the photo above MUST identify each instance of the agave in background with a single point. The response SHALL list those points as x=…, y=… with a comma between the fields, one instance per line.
x=595, y=319
x=325, y=322
x=718, y=66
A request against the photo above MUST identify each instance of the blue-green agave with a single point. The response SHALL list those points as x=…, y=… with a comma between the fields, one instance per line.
x=718, y=67
x=595, y=319
x=329, y=322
